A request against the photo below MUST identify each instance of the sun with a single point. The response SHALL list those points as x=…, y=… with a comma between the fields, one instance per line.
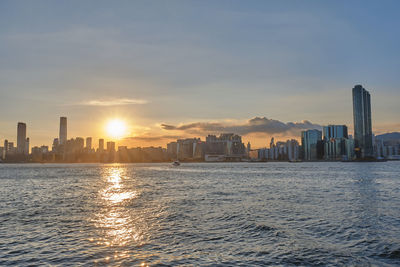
x=116, y=128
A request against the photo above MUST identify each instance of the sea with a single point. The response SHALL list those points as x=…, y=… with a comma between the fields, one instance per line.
x=200, y=214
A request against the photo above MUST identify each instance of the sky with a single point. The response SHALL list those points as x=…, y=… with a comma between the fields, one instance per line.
x=175, y=69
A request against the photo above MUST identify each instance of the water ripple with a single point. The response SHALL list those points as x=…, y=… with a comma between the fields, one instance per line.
x=309, y=214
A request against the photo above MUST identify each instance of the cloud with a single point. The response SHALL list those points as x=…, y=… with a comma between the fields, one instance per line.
x=255, y=125
x=115, y=102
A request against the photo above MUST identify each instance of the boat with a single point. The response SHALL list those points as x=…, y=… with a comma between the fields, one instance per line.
x=176, y=163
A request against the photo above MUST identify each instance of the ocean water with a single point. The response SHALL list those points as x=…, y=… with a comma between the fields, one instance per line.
x=246, y=214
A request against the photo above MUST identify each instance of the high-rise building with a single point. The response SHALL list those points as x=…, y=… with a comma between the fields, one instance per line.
x=362, y=122
x=89, y=143
x=63, y=131
x=335, y=131
x=110, y=146
x=229, y=146
x=186, y=148
x=101, y=145
x=335, y=144
x=5, y=148
x=310, y=141
x=172, y=149
x=79, y=143
x=26, y=152
x=21, y=138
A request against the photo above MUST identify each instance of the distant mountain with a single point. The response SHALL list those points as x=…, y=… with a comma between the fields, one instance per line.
x=389, y=136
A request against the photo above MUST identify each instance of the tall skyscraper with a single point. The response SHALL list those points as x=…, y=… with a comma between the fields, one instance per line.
x=63, y=131
x=21, y=138
x=362, y=122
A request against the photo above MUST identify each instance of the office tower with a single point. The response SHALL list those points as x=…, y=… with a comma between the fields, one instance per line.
x=21, y=138
x=335, y=131
x=26, y=152
x=362, y=122
x=79, y=143
x=292, y=150
x=55, y=145
x=335, y=142
x=310, y=141
x=101, y=145
x=111, y=146
x=89, y=143
x=63, y=131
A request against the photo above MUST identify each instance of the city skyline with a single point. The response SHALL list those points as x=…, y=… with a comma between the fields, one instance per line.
x=139, y=63
x=256, y=124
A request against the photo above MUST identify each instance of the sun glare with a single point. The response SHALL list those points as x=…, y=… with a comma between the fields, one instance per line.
x=116, y=128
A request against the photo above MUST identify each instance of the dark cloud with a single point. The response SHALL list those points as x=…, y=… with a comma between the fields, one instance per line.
x=255, y=125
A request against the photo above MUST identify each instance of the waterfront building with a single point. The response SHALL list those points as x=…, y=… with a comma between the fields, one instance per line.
x=282, y=151
x=21, y=138
x=188, y=148
x=11, y=150
x=101, y=145
x=26, y=152
x=349, y=148
x=362, y=122
x=225, y=147
x=5, y=149
x=110, y=146
x=89, y=143
x=311, y=141
x=335, y=142
x=389, y=149
x=172, y=149
x=293, y=151
x=63, y=131
x=79, y=143
x=55, y=145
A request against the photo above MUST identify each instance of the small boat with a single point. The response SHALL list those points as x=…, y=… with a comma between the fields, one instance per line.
x=176, y=163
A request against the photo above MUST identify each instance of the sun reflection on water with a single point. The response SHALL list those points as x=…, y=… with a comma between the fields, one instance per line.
x=116, y=225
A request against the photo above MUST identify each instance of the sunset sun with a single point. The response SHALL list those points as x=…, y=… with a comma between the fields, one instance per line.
x=116, y=128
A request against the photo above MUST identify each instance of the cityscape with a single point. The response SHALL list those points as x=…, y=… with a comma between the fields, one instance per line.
x=199, y=133
x=333, y=143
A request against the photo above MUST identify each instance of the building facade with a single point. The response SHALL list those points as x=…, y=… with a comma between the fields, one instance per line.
x=362, y=122
x=63, y=131
x=21, y=138
x=226, y=147
x=336, y=145
x=311, y=142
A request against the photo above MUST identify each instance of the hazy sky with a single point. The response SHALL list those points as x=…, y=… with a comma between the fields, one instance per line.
x=175, y=68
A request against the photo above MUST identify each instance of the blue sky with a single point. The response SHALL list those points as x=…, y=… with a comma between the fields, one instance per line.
x=182, y=62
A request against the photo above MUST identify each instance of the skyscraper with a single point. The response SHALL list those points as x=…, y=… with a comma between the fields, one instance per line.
x=21, y=138
x=26, y=152
x=63, y=131
x=362, y=122
x=101, y=145
x=335, y=142
x=310, y=141
x=88, y=143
